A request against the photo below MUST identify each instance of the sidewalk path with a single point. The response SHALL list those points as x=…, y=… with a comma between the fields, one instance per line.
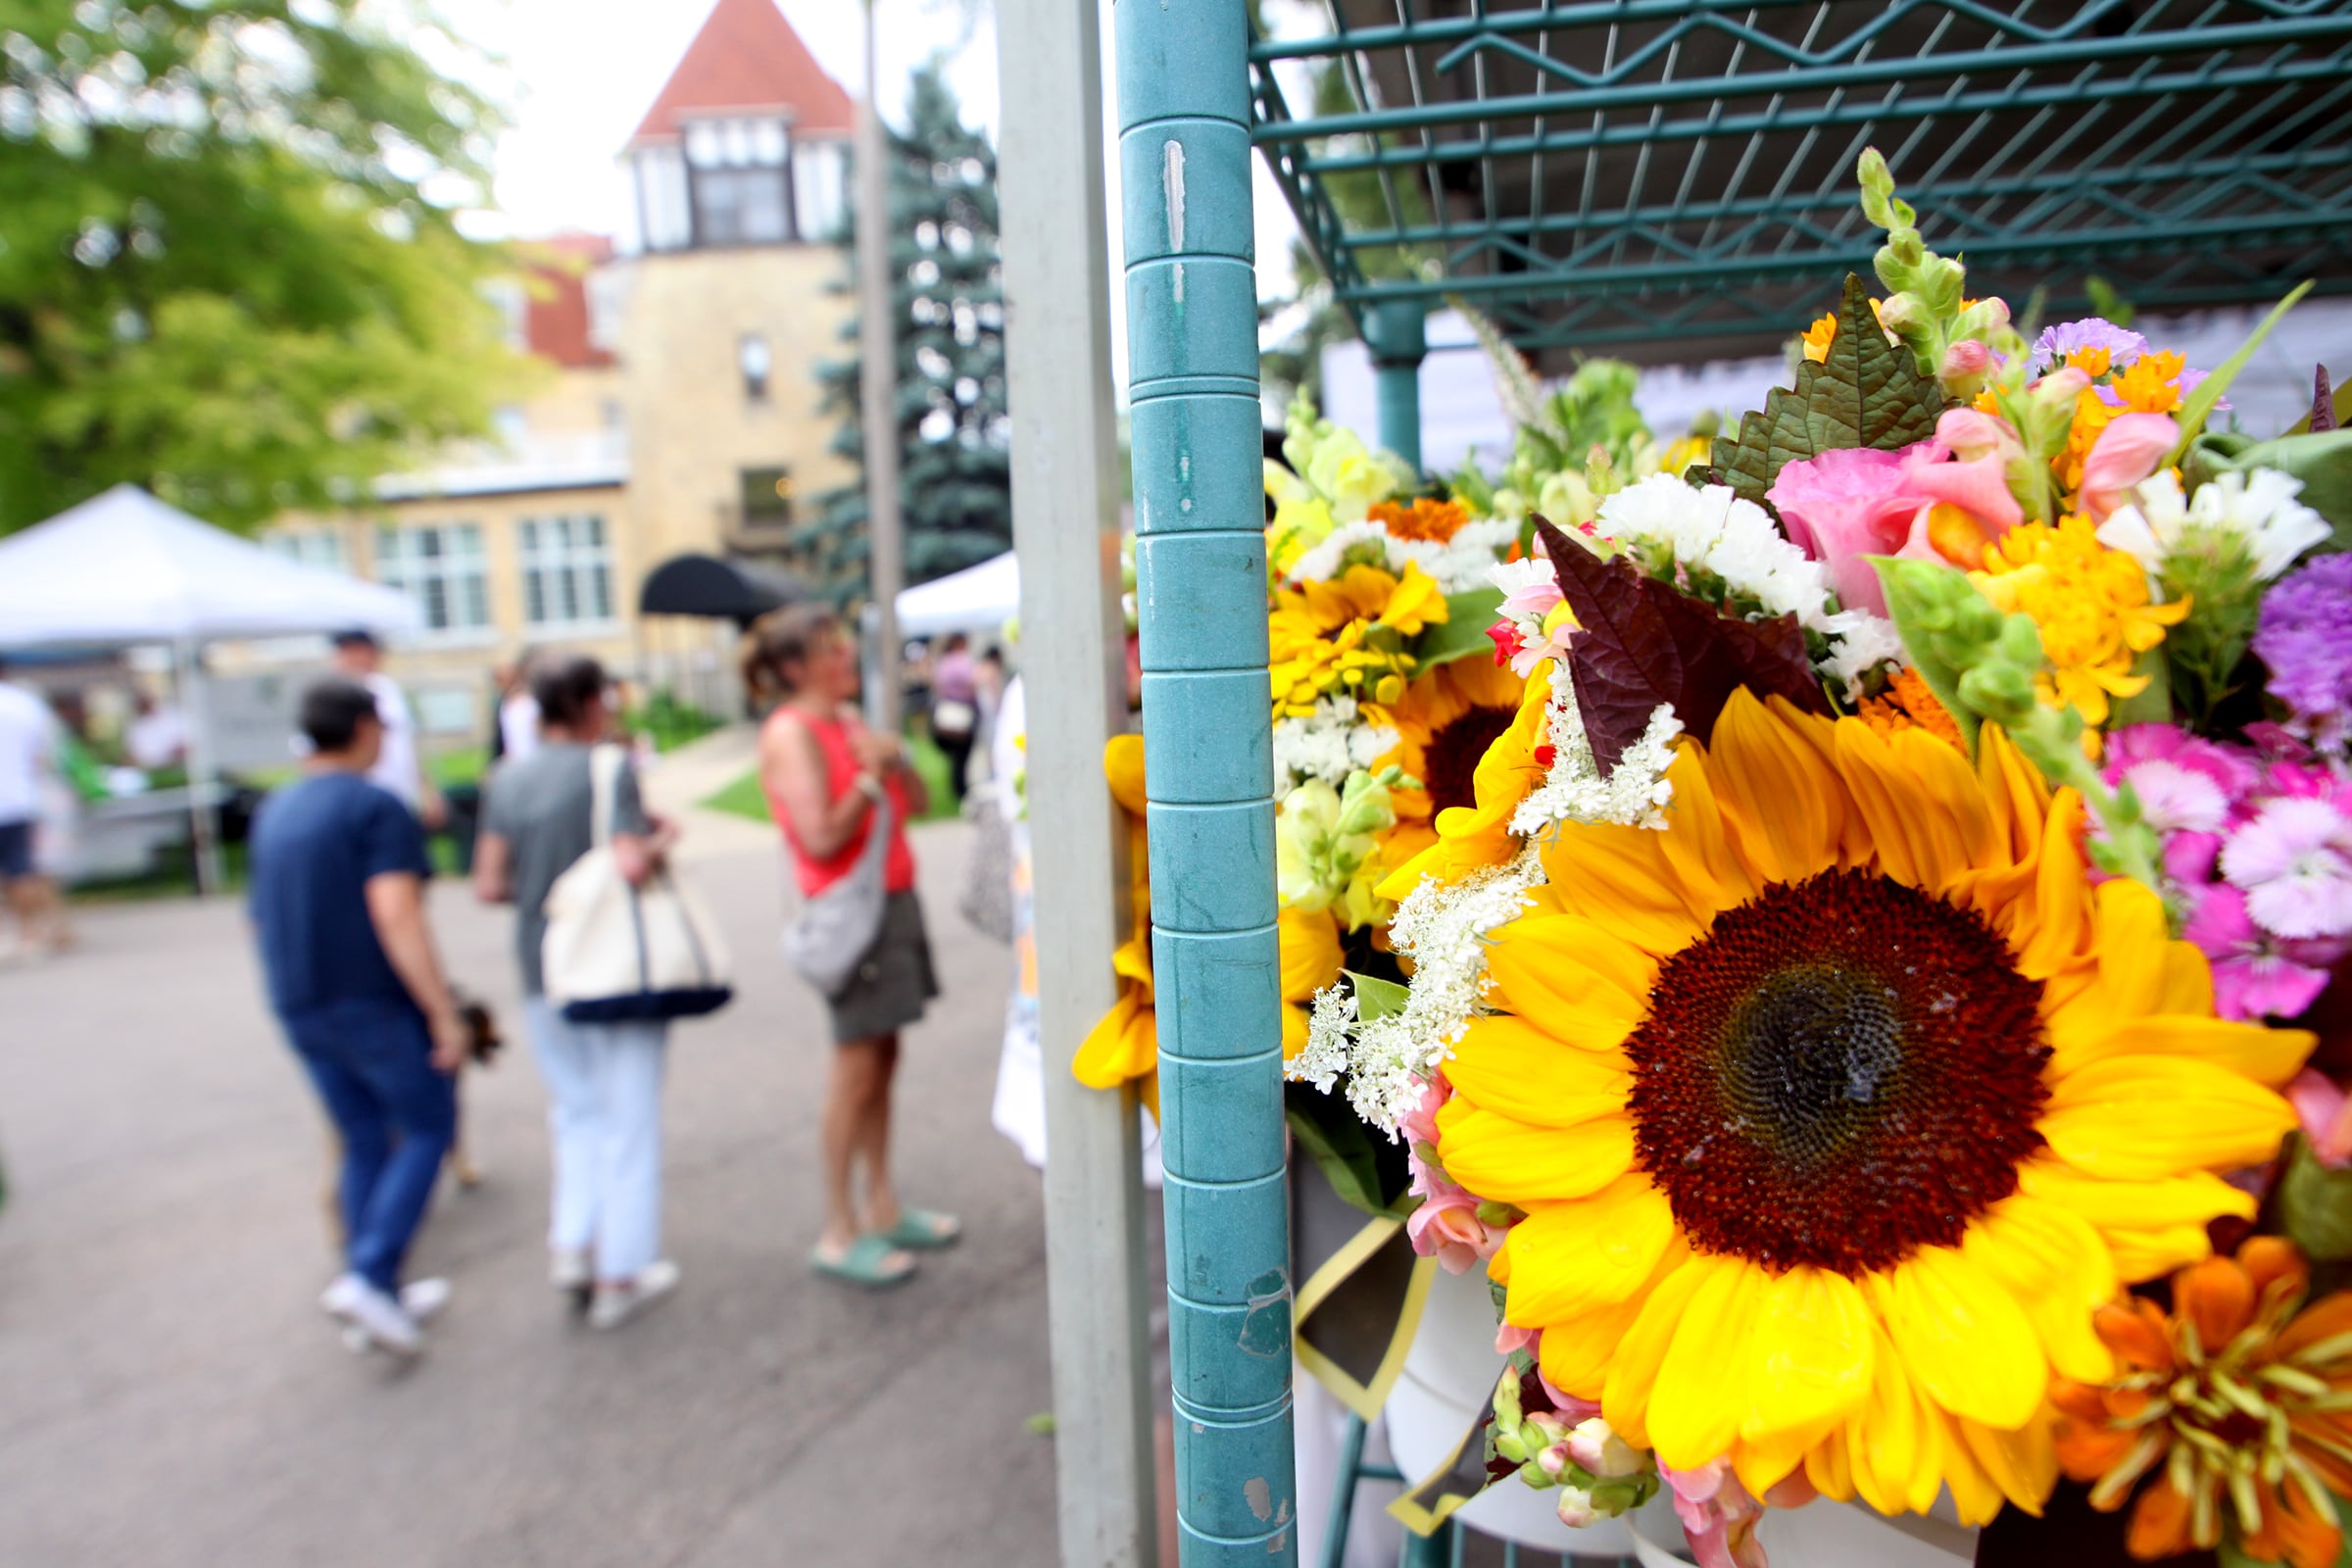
x=169, y=1394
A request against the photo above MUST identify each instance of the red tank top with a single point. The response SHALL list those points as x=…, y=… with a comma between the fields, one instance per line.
x=841, y=772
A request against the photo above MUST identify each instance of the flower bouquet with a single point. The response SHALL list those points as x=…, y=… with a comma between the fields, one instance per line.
x=1852, y=1021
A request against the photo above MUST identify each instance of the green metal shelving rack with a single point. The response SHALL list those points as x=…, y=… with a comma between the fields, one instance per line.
x=1667, y=180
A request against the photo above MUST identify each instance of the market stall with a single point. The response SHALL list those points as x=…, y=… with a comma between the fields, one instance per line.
x=123, y=570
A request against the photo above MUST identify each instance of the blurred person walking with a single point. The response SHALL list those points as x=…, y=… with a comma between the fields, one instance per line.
x=955, y=707
x=824, y=775
x=603, y=1079
x=338, y=869
x=514, y=713
x=30, y=739
x=400, y=770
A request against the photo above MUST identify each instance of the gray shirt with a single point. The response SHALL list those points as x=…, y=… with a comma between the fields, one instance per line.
x=543, y=806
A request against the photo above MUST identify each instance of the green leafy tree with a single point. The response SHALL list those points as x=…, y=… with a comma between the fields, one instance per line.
x=229, y=263
x=947, y=307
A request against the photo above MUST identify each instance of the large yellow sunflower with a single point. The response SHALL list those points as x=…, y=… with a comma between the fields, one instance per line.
x=1445, y=721
x=1463, y=835
x=1838, y=1108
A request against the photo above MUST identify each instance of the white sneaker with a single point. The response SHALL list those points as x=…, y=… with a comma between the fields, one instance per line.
x=373, y=1313
x=424, y=1299
x=616, y=1306
x=569, y=1268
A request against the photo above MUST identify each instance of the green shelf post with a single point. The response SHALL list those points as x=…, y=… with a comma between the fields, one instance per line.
x=1201, y=590
x=1396, y=331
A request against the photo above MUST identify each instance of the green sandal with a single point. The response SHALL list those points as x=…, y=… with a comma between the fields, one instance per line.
x=923, y=1231
x=863, y=1264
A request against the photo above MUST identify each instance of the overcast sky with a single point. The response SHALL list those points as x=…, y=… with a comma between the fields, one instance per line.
x=582, y=73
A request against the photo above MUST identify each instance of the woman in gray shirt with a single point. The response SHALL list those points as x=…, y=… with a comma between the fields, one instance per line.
x=603, y=1079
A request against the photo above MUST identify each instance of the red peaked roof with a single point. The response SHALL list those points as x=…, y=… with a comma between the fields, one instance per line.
x=555, y=310
x=747, y=57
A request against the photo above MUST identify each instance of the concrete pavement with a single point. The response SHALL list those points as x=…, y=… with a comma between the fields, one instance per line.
x=170, y=1393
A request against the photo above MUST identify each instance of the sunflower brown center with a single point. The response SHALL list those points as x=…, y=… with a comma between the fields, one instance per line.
x=1451, y=758
x=1840, y=1072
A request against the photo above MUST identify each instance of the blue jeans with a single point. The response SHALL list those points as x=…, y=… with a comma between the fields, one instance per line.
x=603, y=1083
x=372, y=1062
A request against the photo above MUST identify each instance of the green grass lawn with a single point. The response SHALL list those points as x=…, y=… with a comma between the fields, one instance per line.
x=743, y=798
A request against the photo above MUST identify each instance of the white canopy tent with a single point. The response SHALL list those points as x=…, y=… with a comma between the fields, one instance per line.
x=124, y=568
x=977, y=598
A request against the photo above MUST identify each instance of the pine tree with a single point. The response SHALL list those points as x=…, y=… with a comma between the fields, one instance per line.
x=948, y=306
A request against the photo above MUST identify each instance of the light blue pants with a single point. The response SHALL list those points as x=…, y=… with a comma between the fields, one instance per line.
x=603, y=1083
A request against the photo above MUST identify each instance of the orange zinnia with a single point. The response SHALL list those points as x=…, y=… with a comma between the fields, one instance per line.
x=2236, y=1397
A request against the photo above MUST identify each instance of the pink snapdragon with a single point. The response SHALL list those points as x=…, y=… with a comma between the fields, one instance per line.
x=2326, y=1113
x=2130, y=450
x=1847, y=505
x=1445, y=1225
x=1720, y=1516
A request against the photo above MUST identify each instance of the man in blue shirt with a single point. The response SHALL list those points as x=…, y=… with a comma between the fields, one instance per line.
x=338, y=870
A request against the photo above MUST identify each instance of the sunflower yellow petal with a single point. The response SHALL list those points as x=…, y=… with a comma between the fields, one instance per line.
x=1694, y=1407
x=1123, y=767
x=1766, y=1462
x=1505, y=1160
x=1963, y=1338
x=1577, y=1352
x=2150, y=1227
x=1506, y=1063
x=1572, y=978
x=1974, y=1496
x=1568, y=1258
x=1311, y=953
x=1632, y=1374
x=1809, y=1367
x=2052, y=928
x=2132, y=935
x=1294, y=1031
x=1883, y=1438
x=2057, y=1268
x=1783, y=803
x=2138, y=1117
x=2023, y=1465
x=2085, y=1032
x=1697, y=842
x=1122, y=1045
x=1927, y=814
x=1620, y=875
x=1829, y=1467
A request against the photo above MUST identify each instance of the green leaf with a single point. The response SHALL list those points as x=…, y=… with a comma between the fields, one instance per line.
x=2314, y=1205
x=2209, y=391
x=1868, y=393
x=1463, y=631
x=1376, y=997
x=1368, y=1173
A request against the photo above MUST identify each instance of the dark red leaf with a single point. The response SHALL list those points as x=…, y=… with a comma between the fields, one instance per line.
x=2323, y=403
x=1640, y=642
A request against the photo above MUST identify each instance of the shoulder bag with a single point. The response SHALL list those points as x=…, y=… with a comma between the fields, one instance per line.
x=616, y=951
x=839, y=922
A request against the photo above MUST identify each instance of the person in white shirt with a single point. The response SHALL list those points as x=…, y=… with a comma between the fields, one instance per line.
x=158, y=737
x=28, y=733
x=398, y=767
x=518, y=712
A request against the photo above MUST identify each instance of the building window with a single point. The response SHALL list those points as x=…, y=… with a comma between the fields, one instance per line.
x=739, y=173
x=768, y=497
x=752, y=359
x=440, y=565
x=819, y=180
x=566, y=570
x=324, y=549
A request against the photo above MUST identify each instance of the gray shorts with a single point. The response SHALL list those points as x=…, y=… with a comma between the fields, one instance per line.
x=893, y=980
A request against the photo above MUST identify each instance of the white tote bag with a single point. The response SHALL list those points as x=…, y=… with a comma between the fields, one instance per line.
x=614, y=951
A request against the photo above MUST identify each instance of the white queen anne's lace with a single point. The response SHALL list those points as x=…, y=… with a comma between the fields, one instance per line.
x=1442, y=928
x=1329, y=744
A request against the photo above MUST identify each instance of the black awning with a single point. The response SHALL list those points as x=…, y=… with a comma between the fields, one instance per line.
x=740, y=591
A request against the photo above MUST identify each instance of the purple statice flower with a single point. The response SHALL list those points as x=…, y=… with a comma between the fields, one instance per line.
x=2305, y=639
x=2090, y=333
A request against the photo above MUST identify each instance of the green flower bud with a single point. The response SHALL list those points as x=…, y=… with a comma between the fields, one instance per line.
x=1507, y=1444
x=2001, y=692
x=1613, y=1498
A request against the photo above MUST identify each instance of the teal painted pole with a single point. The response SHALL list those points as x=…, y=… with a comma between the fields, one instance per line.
x=1200, y=592
x=1397, y=334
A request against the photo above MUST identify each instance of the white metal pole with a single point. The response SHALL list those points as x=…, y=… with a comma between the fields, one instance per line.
x=203, y=822
x=878, y=351
x=1066, y=509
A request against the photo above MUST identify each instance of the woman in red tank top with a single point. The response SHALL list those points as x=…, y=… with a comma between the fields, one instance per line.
x=824, y=772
